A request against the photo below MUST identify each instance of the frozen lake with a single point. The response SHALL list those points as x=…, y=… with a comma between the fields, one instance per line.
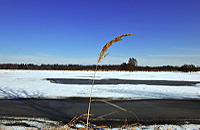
x=176, y=95
x=33, y=84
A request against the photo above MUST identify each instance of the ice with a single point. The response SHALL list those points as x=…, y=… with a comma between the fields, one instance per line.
x=32, y=84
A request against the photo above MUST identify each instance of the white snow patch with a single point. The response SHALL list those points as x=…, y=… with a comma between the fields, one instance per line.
x=168, y=127
x=15, y=123
x=149, y=127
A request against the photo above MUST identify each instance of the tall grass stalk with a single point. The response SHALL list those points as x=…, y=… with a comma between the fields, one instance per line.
x=102, y=55
x=89, y=105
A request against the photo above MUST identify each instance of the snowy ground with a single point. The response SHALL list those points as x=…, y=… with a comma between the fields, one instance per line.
x=12, y=123
x=28, y=84
x=32, y=84
x=151, y=127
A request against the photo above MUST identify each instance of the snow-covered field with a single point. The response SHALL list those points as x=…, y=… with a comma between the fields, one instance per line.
x=29, y=83
x=32, y=84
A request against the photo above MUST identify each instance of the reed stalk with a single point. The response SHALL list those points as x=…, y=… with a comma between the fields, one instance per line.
x=102, y=55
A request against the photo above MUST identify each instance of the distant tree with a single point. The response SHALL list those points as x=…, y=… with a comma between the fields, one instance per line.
x=187, y=68
x=123, y=66
x=132, y=63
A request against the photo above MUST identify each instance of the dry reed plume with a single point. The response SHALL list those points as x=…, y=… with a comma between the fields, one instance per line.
x=102, y=56
x=109, y=44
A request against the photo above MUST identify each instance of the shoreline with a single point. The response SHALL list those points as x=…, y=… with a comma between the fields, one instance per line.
x=102, y=70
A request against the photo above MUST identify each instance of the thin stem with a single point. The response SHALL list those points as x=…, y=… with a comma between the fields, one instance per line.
x=89, y=105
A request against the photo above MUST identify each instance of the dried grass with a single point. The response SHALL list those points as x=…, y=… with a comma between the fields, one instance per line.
x=109, y=44
x=75, y=120
x=102, y=55
x=120, y=108
x=1, y=128
x=127, y=126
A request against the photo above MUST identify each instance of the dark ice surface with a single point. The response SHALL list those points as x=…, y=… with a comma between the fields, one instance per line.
x=148, y=111
x=122, y=81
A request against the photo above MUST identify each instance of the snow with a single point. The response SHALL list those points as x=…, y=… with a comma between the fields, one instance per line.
x=168, y=127
x=10, y=123
x=32, y=83
x=35, y=126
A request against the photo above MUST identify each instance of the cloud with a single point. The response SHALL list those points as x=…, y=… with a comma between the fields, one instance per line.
x=153, y=60
x=166, y=61
x=47, y=59
x=176, y=55
x=186, y=49
x=176, y=59
x=43, y=60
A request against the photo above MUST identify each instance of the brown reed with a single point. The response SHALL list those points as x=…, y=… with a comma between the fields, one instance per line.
x=109, y=44
x=102, y=55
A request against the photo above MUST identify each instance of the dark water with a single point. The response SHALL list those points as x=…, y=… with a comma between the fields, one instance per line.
x=165, y=111
x=122, y=81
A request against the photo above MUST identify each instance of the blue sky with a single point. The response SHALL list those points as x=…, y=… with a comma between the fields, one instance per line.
x=74, y=31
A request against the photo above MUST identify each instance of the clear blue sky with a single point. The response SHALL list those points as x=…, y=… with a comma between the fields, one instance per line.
x=74, y=31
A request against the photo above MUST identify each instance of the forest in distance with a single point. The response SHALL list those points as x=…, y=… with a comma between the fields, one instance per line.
x=132, y=65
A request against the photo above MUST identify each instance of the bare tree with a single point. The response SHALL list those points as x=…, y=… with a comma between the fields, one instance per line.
x=132, y=62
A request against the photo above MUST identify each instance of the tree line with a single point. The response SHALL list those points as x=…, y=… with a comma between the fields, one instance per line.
x=131, y=65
